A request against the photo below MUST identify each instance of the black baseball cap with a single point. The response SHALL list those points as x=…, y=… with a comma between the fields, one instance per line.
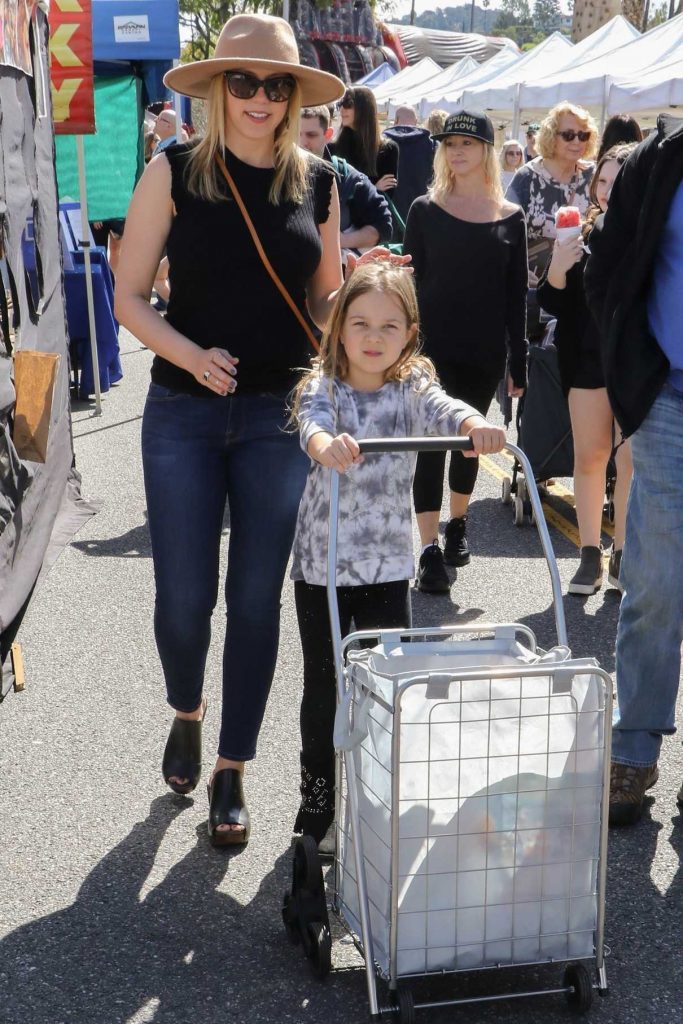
x=473, y=123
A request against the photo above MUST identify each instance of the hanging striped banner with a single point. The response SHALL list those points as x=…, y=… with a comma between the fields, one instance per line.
x=71, y=67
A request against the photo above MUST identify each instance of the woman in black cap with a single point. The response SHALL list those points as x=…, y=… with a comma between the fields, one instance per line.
x=468, y=246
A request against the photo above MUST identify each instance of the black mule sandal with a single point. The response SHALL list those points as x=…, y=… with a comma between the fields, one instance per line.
x=183, y=754
x=227, y=807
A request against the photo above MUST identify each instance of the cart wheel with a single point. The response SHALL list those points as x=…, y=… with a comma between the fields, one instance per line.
x=406, y=1006
x=518, y=511
x=577, y=977
x=307, y=863
x=506, y=495
x=521, y=488
x=319, y=948
x=288, y=919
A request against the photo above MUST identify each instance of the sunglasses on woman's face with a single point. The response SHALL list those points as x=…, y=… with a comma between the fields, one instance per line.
x=243, y=86
x=569, y=135
x=347, y=102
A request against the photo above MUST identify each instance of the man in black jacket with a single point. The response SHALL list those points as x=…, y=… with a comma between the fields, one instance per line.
x=634, y=285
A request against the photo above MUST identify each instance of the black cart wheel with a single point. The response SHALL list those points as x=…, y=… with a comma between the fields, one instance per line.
x=307, y=863
x=406, y=1006
x=577, y=977
x=518, y=511
x=289, y=920
x=319, y=948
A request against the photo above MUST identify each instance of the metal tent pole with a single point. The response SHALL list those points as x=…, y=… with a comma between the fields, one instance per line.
x=84, y=243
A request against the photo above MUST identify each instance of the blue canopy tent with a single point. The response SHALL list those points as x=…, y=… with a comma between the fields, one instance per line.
x=141, y=36
x=134, y=43
x=377, y=75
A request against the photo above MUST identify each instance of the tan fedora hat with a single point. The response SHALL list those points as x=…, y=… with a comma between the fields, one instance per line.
x=256, y=41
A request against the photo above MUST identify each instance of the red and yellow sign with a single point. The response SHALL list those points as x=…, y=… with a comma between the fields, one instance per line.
x=71, y=70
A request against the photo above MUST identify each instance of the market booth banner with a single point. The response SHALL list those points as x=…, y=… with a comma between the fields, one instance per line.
x=71, y=67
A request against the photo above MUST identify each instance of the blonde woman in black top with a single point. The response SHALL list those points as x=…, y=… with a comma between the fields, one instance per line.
x=226, y=358
x=468, y=248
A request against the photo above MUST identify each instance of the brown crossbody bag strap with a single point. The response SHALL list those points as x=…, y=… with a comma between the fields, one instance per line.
x=264, y=259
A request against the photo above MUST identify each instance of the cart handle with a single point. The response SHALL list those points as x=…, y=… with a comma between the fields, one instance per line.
x=375, y=445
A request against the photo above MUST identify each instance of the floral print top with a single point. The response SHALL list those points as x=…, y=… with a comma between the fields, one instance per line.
x=540, y=196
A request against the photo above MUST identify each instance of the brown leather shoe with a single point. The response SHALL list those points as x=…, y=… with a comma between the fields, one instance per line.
x=627, y=788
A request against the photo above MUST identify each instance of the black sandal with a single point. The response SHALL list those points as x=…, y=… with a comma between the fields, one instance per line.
x=227, y=807
x=183, y=754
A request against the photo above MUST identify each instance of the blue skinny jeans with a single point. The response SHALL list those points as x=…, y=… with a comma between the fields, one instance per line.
x=197, y=454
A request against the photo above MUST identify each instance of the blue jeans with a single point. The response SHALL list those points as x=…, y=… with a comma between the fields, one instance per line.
x=197, y=453
x=651, y=619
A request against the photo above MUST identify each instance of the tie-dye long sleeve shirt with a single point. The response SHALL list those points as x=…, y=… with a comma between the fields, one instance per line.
x=375, y=497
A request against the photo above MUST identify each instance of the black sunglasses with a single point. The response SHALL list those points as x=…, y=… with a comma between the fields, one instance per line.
x=347, y=102
x=243, y=86
x=569, y=135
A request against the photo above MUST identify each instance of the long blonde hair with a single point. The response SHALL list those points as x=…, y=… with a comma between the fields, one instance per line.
x=289, y=182
x=443, y=182
x=332, y=362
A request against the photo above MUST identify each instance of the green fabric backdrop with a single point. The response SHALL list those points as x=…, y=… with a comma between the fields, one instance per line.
x=113, y=155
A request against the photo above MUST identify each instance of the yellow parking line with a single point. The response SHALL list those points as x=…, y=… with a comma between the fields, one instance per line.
x=552, y=516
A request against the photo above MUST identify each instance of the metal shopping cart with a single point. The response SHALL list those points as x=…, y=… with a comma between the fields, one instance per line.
x=472, y=791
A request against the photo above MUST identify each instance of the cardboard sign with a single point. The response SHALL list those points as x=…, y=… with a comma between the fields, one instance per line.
x=34, y=381
x=71, y=67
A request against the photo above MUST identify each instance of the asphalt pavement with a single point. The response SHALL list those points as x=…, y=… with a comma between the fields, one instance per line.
x=114, y=908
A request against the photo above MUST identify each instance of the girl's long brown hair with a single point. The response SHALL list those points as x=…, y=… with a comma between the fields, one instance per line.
x=620, y=153
x=332, y=362
x=365, y=128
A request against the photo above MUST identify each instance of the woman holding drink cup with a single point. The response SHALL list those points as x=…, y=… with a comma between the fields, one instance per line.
x=561, y=294
x=559, y=176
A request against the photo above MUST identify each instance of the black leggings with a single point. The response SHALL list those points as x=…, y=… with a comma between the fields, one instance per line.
x=385, y=605
x=477, y=388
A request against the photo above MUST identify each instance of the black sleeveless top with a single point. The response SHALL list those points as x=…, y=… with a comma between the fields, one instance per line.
x=222, y=295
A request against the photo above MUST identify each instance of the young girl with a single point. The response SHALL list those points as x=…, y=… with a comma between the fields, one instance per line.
x=561, y=293
x=369, y=382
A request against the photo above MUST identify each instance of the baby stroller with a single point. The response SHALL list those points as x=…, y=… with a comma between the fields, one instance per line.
x=472, y=789
x=544, y=429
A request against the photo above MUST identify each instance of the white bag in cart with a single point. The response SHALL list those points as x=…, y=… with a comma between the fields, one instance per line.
x=488, y=791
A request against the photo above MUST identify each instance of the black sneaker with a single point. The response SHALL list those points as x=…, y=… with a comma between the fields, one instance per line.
x=456, y=549
x=614, y=569
x=432, y=577
x=588, y=577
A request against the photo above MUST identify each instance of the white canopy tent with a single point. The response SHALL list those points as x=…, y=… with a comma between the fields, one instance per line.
x=588, y=83
x=654, y=90
x=412, y=95
x=441, y=89
x=413, y=75
x=500, y=93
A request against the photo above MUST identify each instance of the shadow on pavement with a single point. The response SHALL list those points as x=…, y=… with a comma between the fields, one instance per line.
x=133, y=543
x=189, y=953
